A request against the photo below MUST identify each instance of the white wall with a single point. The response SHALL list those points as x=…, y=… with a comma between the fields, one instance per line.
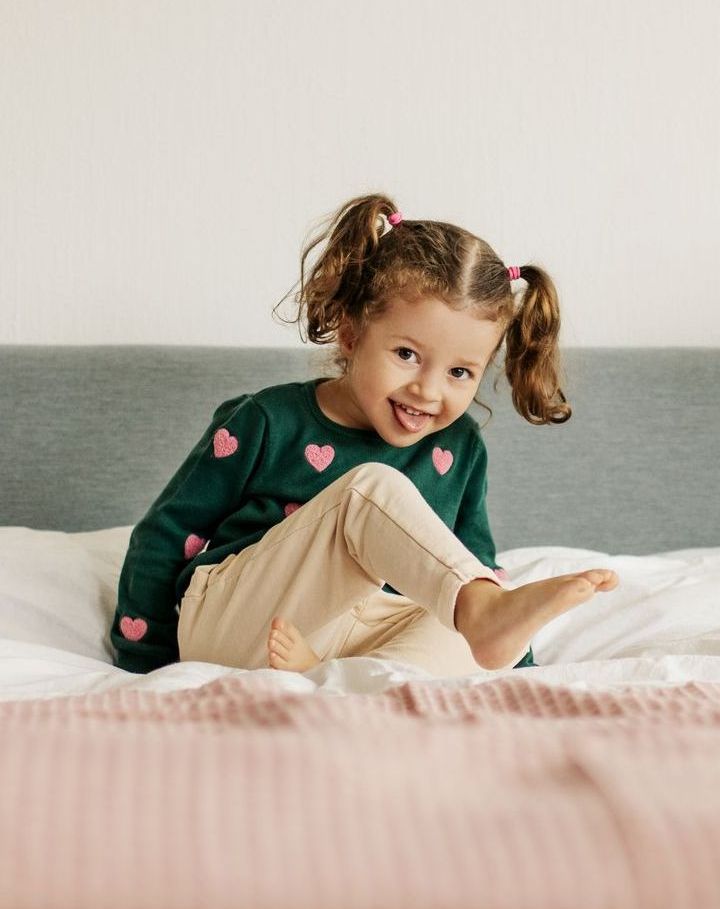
x=162, y=161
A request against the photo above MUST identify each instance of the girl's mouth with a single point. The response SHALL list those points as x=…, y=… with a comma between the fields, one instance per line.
x=409, y=421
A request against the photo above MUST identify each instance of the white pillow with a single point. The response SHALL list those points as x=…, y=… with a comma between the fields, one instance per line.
x=60, y=589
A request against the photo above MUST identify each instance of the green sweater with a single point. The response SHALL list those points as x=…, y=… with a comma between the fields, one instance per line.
x=264, y=453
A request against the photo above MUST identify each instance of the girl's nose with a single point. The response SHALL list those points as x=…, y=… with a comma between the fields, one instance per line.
x=424, y=391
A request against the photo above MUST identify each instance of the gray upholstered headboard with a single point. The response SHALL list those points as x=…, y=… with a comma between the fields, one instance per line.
x=91, y=435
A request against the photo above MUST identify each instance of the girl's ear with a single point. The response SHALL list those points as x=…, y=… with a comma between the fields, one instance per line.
x=346, y=337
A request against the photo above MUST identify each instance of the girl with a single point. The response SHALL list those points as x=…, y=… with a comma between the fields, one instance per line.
x=346, y=516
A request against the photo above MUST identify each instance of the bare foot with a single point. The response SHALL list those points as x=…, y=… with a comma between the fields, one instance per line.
x=497, y=623
x=288, y=649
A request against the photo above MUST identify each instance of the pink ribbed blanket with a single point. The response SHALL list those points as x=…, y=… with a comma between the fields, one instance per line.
x=503, y=794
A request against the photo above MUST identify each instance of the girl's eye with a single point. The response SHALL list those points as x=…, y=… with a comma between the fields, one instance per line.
x=403, y=350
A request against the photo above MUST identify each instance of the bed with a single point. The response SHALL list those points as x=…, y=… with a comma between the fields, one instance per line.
x=589, y=779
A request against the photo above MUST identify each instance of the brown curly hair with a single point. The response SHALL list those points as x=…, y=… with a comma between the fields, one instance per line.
x=363, y=266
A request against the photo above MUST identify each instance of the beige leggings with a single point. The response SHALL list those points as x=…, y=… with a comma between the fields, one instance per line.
x=323, y=568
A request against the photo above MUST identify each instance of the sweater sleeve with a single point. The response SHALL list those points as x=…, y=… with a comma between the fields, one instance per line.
x=472, y=526
x=206, y=488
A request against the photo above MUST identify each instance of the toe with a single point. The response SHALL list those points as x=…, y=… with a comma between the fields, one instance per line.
x=289, y=629
x=611, y=580
x=280, y=647
x=601, y=578
x=594, y=575
x=279, y=637
x=286, y=627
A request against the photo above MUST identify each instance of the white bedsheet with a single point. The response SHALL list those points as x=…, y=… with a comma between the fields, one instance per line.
x=660, y=626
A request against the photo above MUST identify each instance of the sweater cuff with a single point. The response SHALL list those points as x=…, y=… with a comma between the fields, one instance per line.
x=135, y=662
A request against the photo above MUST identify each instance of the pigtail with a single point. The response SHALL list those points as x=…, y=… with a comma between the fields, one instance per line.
x=532, y=354
x=336, y=288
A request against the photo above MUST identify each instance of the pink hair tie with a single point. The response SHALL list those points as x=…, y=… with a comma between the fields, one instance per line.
x=513, y=272
x=395, y=218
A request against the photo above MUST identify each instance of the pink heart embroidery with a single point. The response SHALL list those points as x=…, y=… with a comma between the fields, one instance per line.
x=193, y=545
x=290, y=507
x=224, y=444
x=132, y=629
x=501, y=573
x=442, y=460
x=319, y=457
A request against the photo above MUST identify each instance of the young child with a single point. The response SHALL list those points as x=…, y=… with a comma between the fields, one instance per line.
x=346, y=515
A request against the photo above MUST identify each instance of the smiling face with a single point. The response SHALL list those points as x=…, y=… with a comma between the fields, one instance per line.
x=421, y=354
